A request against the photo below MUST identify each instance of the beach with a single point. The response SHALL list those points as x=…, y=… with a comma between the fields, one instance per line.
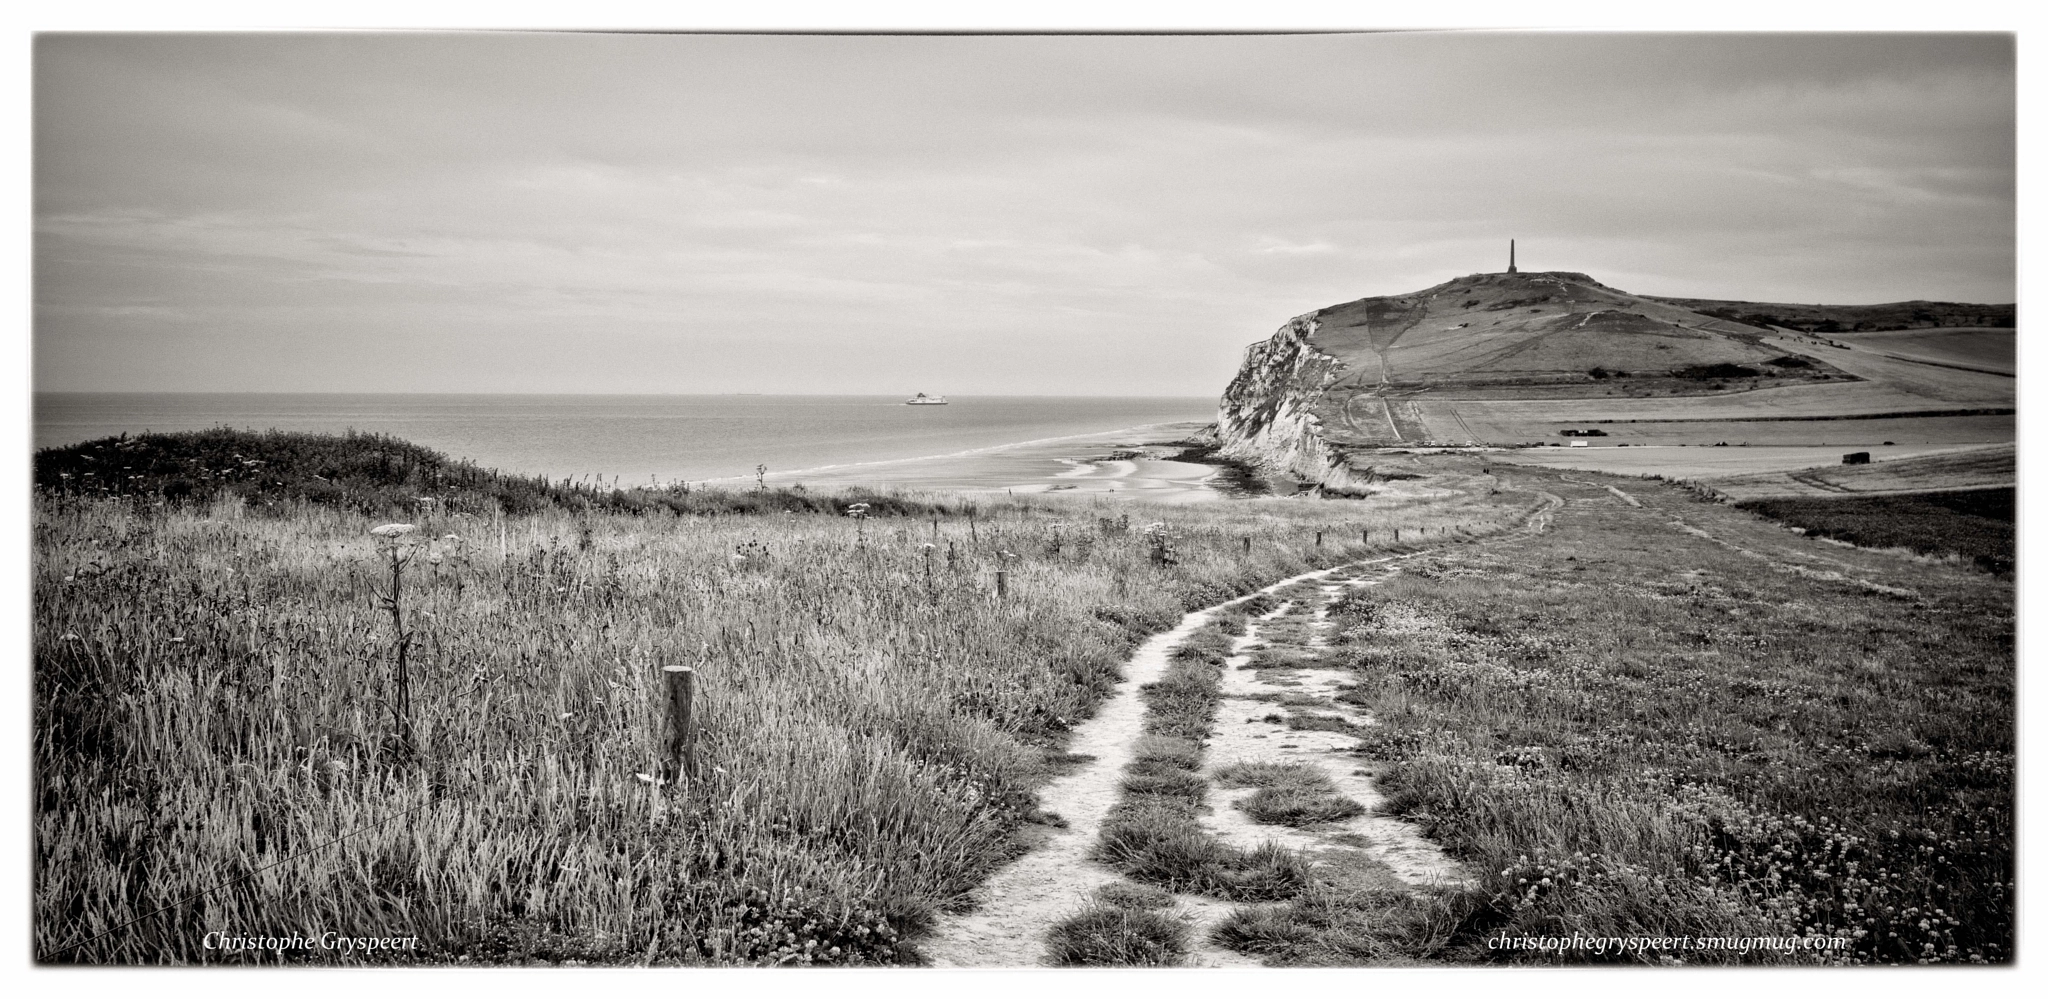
x=1132, y=463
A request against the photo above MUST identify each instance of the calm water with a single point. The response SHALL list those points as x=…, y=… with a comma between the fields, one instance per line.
x=634, y=437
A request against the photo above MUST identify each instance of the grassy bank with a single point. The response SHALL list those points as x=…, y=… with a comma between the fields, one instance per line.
x=214, y=713
x=1628, y=729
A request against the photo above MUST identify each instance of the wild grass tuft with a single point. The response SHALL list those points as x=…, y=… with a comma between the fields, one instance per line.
x=1117, y=936
x=1326, y=926
x=1289, y=794
x=1127, y=895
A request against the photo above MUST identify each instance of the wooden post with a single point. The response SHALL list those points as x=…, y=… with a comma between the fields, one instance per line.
x=1364, y=536
x=935, y=527
x=1002, y=583
x=1397, y=534
x=402, y=681
x=972, y=532
x=952, y=556
x=682, y=725
x=1247, y=545
x=1319, y=539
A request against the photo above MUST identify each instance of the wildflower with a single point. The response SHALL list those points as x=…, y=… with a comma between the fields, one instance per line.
x=393, y=530
x=651, y=779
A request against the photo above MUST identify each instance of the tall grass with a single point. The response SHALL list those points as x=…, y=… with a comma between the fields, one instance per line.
x=211, y=716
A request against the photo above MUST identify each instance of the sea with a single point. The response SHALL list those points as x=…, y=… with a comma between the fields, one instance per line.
x=634, y=438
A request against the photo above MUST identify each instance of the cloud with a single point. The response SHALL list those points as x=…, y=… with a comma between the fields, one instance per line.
x=558, y=209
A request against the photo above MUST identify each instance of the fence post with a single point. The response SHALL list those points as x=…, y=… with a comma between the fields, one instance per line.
x=682, y=724
x=1002, y=583
x=972, y=532
x=1319, y=539
x=1364, y=536
x=1247, y=544
x=1397, y=534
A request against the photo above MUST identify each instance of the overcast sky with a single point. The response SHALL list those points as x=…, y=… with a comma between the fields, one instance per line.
x=968, y=215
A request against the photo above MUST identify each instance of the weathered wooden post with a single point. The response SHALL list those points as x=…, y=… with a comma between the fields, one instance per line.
x=1319, y=539
x=1364, y=536
x=682, y=724
x=1002, y=582
x=972, y=533
x=1247, y=544
x=952, y=555
x=1397, y=534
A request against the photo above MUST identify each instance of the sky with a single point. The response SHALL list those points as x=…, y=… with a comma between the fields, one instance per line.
x=969, y=215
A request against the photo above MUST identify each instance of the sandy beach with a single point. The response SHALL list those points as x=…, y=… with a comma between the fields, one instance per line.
x=1131, y=463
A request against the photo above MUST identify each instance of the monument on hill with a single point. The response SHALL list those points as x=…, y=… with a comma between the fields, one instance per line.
x=1511, y=256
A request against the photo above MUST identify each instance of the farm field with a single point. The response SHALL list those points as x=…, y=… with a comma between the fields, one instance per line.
x=1710, y=463
x=1949, y=470
x=1517, y=420
x=1865, y=432
x=1927, y=381
x=1992, y=349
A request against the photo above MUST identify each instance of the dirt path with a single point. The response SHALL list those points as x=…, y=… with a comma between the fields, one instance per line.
x=1053, y=881
x=1252, y=726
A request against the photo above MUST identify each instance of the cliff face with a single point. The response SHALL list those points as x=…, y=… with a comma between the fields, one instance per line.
x=1267, y=414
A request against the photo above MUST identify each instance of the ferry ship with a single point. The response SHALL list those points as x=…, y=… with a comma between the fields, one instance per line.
x=922, y=399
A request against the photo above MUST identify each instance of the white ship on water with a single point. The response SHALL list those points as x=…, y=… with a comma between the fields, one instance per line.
x=922, y=399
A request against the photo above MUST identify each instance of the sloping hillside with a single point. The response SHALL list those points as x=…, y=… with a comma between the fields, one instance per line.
x=1555, y=329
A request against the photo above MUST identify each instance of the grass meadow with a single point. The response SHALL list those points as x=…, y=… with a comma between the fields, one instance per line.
x=1628, y=729
x=214, y=716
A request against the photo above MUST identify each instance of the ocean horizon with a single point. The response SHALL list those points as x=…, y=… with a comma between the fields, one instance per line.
x=634, y=438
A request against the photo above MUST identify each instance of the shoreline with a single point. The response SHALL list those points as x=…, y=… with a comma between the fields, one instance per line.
x=1129, y=463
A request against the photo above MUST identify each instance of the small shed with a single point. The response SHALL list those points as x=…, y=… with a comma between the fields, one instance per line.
x=1856, y=458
